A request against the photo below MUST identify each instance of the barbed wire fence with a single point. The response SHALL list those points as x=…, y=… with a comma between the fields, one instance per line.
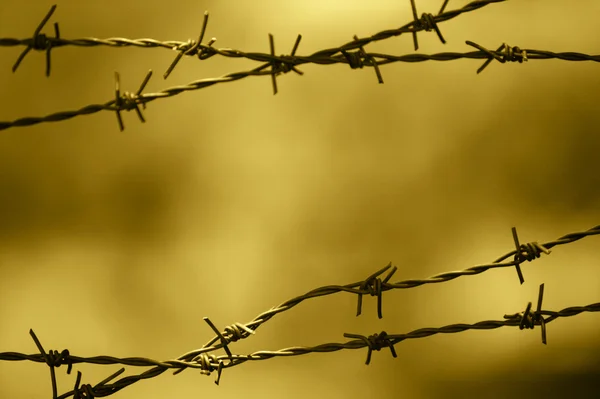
x=351, y=53
x=206, y=362
x=354, y=55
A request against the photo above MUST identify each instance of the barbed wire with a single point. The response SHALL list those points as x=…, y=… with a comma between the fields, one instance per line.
x=201, y=359
x=209, y=363
x=353, y=54
x=272, y=65
x=129, y=101
x=42, y=42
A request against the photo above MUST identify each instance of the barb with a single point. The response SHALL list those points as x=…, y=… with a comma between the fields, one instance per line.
x=128, y=101
x=40, y=42
x=354, y=60
x=528, y=319
x=426, y=22
x=144, y=98
x=504, y=53
x=360, y=58
x=52, y=359
x=526, y=252
x=374, y=286
x=88, y=391
x=278, y=67
x=443, y=7
x=378, y=341
x=192, y=47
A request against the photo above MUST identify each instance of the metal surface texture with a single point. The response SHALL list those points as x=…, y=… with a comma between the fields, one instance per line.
x=207, y=362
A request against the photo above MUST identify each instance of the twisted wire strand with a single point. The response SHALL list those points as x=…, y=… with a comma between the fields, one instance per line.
x=139, y=99
x=396, y=338
x=373, y=285
x=532, y=54
x=211, y=363
x=365, y=287
x=374, y=60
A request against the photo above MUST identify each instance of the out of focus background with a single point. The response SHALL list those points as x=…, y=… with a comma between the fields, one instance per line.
x=230, y=200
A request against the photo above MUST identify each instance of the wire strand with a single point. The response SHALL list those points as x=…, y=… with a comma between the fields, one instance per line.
x=207, y=362
x=351, y=53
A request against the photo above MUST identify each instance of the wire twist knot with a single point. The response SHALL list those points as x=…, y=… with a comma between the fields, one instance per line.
x=206, y=360
x=531, y=251
x=503, y=54
x=285, y=67
x=379, y=341
x=127, y=101
x=529, y=319
x=374, y=342
x=195, y=48
x=55, y=358
x=235, y=332
x=206, y=365
x=526, y=252
x=427, y=23
x=85, y=391
x=41, y=42
x=354, y=58
x=360, y=58
x=373, y=286
x=513, y=54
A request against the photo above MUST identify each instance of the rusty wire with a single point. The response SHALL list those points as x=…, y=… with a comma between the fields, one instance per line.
x=351, y=53
x=207, y=362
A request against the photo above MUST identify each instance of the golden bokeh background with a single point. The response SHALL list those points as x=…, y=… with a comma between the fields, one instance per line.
x=230, y=200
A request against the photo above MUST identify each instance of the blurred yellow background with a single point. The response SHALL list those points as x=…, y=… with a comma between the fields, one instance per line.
x=230, y=200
